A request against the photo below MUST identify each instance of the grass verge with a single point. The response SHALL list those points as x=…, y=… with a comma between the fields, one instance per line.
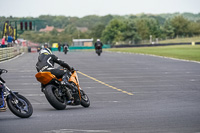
x=187, y=52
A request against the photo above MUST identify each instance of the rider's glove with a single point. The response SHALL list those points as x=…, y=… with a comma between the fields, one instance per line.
x=71, y=69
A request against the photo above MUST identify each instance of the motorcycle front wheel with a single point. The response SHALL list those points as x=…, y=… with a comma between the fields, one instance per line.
x=21, y=108
x=85, y=102
x=52, y=94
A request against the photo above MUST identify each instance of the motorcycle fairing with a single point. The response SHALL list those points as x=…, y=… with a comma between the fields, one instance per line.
x=44, y=77
x=74, y=78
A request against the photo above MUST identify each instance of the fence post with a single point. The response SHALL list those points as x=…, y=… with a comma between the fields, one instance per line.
x=193, y=43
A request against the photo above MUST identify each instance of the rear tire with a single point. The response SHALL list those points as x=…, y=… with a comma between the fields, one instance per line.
x=55, y=101
x=24, y=110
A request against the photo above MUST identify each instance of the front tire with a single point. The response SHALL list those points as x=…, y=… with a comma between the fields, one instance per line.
x=85, y=102
x=21, y=109
x=51, y=93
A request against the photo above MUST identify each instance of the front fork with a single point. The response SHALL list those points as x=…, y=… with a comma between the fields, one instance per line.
x=12, y=94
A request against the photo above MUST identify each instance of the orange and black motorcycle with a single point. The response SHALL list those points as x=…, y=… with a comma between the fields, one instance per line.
x=56, y=93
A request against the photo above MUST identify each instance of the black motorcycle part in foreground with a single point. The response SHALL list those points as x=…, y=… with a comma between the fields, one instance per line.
x=20, y=106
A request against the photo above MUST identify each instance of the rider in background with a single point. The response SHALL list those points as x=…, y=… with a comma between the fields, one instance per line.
x=65, y=47
x=98, y=44
x=46, y=45
x=46, y=62
x=59, y=48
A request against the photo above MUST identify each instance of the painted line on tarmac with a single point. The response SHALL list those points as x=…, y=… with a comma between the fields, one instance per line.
x=77, y=130
x=105, y=84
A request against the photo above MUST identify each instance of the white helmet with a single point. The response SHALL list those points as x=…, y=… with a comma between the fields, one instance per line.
x=98, y=39
x=45, y=51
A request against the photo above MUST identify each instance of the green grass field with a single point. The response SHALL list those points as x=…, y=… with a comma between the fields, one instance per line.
x=187, y=52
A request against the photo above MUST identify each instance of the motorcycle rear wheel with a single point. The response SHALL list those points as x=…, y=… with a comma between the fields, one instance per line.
x=21, y=109
x=57, y=102
x=98, y=51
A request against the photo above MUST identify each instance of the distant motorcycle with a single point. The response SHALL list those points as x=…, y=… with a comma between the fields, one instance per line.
x=98, y=49
x=56, y=93
x=18, y=104
x=65, y=49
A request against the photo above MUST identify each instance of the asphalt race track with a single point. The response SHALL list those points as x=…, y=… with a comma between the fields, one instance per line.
x=129, y=93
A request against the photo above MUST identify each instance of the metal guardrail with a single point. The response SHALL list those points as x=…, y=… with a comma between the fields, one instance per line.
x=10, y=52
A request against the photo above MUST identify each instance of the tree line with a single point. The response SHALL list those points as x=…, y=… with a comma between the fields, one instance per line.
x=113, y=29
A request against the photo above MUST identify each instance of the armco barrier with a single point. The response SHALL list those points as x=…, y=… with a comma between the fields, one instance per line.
x=10, y=52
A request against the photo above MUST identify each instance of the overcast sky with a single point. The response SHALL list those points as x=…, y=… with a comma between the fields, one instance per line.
x=80, y=8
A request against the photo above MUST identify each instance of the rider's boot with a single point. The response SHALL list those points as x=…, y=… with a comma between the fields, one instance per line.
x=3, y=109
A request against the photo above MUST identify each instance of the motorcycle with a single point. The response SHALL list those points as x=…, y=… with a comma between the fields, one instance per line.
x=65, y=49
x=18, y=104
x=98, y=49
x=55, y=92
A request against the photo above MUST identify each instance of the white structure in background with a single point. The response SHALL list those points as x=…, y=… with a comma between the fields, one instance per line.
x=83, y=42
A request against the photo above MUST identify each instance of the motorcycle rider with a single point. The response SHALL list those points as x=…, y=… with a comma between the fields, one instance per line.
x=97, y=44
x=65, y=47
x=59, y=48
x=46, y=45
x=46, y=62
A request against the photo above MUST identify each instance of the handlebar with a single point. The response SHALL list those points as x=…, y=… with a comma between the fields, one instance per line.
x=3, y=71
x=70, y=71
